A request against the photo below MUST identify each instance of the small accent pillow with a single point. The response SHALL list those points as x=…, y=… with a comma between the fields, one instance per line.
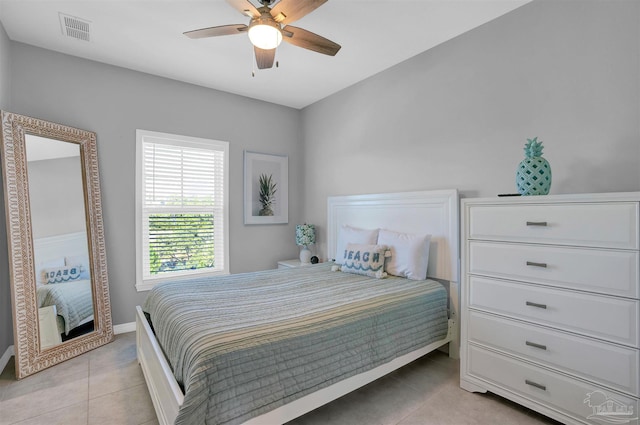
x=40, y=279
x=348, y=234
x=409, y=253
x=61, y=274
x=364, y=259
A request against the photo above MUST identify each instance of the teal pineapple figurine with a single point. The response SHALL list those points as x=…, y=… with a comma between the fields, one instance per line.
x=533, y=176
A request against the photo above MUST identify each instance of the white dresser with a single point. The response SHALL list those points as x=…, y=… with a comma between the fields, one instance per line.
x=550, y=304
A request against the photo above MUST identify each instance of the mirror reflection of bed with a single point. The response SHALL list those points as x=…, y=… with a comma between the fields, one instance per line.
x=60, y=244
x=65, y=304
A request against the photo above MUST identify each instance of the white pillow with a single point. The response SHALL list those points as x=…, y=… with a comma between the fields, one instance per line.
x=409, y=253
x=348, y=234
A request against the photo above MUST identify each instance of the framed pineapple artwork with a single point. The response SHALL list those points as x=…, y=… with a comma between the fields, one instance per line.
x=266, y=188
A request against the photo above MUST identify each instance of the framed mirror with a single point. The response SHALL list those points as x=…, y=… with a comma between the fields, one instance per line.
x=57, y=261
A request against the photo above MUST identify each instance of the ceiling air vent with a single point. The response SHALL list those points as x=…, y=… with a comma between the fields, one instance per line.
x=75, y=27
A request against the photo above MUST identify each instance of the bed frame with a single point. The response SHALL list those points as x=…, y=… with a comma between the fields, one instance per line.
x=432, y=212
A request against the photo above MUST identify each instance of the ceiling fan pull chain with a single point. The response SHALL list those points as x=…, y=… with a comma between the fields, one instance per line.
x=253, y=65
x=277, y=62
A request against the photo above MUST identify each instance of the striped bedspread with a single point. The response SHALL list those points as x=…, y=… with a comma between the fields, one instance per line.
x=73, y=301
x=242, y=345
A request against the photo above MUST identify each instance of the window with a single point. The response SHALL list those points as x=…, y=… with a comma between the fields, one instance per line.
x=181, y=207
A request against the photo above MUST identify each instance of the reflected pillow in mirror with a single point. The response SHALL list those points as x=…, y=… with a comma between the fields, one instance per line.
x=84, y=264
x=409, y=253
x=40, y=279
x=61, y=274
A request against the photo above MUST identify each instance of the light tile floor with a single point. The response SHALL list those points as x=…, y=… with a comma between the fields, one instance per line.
x=106, y=386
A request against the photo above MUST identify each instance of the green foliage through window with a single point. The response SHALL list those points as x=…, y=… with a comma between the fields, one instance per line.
x=180, y=242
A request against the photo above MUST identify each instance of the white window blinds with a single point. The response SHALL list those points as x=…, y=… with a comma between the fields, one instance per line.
x=182, y=206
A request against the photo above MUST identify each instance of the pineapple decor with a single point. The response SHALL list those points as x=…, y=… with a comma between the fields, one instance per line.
x=267, y=194
x=533, y=176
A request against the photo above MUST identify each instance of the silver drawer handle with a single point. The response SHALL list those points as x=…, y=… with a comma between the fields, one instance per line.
x=535, y=384
x=532, y=304
x=537, y=223
x=531, y=263
x=536, y=345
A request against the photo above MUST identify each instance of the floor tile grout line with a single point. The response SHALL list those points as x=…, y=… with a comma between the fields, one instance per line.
x=117, y=391
x=428, y=397
x=412, y=412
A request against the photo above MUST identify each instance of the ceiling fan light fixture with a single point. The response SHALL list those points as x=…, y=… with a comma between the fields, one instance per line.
x=265, y=35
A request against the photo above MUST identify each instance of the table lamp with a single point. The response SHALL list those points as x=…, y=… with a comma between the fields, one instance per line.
x=305, y=236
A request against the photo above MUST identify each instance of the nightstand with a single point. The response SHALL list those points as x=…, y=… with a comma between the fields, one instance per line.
x=291, y=264
x=49, y=334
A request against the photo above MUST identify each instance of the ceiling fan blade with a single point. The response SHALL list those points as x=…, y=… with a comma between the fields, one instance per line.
x=286, y=11
x=308, y=40
x=216, y=31
x=244, y=7
x=264, y=57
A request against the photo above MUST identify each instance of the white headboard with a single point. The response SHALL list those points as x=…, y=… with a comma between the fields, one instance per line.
x=431, y=212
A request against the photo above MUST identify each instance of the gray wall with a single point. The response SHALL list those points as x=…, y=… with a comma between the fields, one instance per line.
x=114, y=102
x=458, y=116
x=6, y=327
x=5, y=70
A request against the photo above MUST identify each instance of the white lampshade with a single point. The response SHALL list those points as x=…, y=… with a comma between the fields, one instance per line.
x=265, y=36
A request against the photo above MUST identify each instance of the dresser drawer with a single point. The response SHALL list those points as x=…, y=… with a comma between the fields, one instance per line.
x=611, y=365
x=613, y=272
x=572, y=397
x=609, y=318
x=606, y=225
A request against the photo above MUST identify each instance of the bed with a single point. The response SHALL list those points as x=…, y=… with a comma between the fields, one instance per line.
x=269, y=346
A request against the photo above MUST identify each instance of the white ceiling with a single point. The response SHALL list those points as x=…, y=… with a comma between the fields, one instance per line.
x=146, y=35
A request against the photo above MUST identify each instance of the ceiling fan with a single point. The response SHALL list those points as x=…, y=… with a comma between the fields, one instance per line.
x=265, y=28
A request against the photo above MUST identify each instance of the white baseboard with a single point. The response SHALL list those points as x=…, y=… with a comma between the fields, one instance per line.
x=4, y=360
x=124, y=328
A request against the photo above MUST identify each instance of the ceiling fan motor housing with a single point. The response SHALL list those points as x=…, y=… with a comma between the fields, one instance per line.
x=265, y=18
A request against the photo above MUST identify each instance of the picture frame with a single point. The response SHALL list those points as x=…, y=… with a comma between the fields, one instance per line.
x=273, y=170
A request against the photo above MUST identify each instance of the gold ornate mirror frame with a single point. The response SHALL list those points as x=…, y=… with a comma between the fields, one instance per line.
x=29, y=356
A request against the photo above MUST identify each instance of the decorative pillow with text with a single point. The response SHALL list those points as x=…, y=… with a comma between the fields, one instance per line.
x=365, y=259
x=61, y=274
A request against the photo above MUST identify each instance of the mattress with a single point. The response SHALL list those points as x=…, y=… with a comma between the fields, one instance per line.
x=242, y=345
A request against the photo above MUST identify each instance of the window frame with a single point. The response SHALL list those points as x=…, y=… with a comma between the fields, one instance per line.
x=145, y=284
